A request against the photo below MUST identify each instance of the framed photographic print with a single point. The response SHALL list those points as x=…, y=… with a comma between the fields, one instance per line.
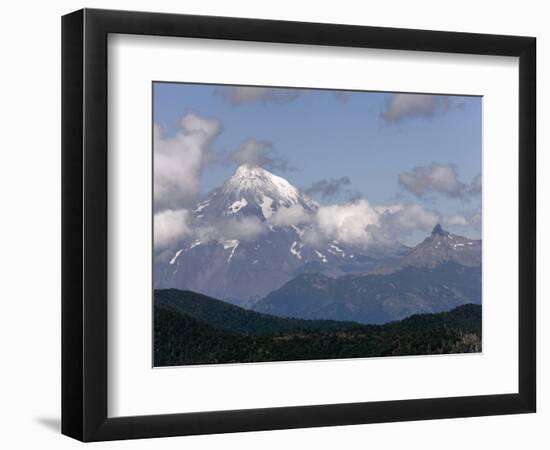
x=273, y=224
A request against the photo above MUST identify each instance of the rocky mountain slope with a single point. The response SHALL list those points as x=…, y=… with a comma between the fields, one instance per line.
x=440, y=273
x=375, y=298
x=441, y=246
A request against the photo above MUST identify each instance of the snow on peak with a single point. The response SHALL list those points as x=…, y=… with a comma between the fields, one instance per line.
x=252, y=191
x=250, y=171
x=259, y=183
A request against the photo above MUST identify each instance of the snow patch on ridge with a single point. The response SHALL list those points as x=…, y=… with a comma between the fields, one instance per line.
x=321, y=256
x=237, y=206
x=266, y=205
x=174, y=259
x=335, y=250
x=295, y=252
x=299, y=232
x=201, y=206
x=231, y=244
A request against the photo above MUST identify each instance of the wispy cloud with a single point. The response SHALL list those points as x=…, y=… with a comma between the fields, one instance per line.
x=260, y=153
x=435, y=178
x=328, y=187
x=240, y=95
x=464, y=219
x=403, y=106
x=475, y=185
x=438, y=178
x=292, y=215
x=400, y=220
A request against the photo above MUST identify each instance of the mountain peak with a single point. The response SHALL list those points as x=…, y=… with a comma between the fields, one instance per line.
x=249, y=176
x=257, y=185
x=438, y=230
x=248, y=170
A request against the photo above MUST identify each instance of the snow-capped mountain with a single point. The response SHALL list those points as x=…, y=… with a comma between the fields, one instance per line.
x=252, y=242
x=253, y=191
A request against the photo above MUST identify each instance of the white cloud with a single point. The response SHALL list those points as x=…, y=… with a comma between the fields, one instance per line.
x=243, y=229
x=238, y=95
x=354, y=223
x=400, y=220
x=435, y=178
x=259, y=153
x=464, y=219
x=246, y=229
x=456, y=220
x=170, y=226
x=475, y=185
x=252, y=152
x=328, y=187
x=178, y=161
x=346, y=223
x=403, y=106
x=193, y=123
x=360, y=223
x=474, y=219
x=293, y=215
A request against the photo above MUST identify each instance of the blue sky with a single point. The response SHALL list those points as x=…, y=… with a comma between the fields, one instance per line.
x=390, y=146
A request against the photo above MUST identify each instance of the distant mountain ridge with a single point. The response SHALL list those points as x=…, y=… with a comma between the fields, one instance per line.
x=440, y=273
x=376, y=298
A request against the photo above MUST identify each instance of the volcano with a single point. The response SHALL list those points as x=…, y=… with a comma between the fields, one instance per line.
x=253, y=240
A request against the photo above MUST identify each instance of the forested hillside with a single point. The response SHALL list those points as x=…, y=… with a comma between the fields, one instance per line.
x=194, y=329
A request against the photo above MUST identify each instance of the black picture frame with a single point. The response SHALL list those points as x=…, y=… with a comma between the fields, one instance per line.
x=84, y=224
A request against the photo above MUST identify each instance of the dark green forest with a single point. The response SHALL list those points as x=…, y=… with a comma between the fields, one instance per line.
x=190, y=328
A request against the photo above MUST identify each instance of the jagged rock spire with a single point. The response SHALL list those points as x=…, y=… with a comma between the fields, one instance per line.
x=439, y=230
